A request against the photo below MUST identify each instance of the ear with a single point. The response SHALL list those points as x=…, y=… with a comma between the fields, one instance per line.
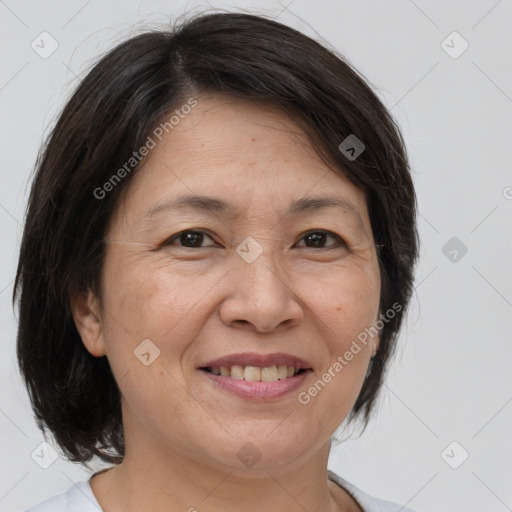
x=86, y=315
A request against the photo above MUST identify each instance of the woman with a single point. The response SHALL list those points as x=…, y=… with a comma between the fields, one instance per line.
x=218, y=253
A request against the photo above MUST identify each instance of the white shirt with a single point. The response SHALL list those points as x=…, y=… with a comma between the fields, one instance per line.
x=80, y=498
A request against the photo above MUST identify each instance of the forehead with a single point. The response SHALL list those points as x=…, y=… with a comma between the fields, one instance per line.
x=226, y=130
x=244, y=152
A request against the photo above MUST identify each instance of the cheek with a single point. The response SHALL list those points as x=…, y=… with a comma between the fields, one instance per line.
x=349, y=307
x=152, y=317
x=144, y=301
x=347, y=302
x=355, y=310
x=151, y=296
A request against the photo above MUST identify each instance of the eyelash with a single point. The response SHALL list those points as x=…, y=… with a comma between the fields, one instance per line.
x=170, y=240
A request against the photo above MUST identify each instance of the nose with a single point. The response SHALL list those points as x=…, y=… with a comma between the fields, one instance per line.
x=262, y=299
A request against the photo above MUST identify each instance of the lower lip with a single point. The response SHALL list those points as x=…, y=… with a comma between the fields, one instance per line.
x=257, y=390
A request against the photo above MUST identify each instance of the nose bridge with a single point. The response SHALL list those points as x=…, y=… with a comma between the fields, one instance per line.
x=262, y=270
x=262, y=295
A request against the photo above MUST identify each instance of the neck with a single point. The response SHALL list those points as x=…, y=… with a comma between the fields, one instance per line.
x=171, y=482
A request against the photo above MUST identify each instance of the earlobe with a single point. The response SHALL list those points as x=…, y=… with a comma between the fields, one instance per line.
x=86, y=315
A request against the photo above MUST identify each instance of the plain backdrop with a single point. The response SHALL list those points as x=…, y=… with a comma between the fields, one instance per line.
x=448, y=394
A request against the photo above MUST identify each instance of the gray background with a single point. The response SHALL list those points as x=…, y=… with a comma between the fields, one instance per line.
x=452, y=378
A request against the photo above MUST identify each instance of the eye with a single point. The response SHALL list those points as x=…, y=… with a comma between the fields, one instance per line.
x=316, y=239
x=190, y=238
x=193, y=239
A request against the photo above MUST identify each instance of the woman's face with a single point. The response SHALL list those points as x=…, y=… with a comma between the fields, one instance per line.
x=248, y=282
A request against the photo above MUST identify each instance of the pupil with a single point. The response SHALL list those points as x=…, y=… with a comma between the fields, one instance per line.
x=191, y=239
x=317, y=238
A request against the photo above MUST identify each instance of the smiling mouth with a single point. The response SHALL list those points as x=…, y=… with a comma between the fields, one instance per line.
x=256, y=373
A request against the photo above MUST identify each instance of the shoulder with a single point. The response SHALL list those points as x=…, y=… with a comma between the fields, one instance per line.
x=78, y=498
x=368, y=503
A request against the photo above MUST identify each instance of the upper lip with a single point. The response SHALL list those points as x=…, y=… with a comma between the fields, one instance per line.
x=260, y=360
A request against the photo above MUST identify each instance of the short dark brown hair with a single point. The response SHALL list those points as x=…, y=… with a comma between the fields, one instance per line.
x=113, y=110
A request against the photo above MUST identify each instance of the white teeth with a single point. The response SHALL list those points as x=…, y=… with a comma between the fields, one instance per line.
x=237, y=372
x=282, y=372
x=255, y=373
x=269, y=374
x=252, y=373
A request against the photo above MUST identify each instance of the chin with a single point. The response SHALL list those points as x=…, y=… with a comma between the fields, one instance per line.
x=261, y=452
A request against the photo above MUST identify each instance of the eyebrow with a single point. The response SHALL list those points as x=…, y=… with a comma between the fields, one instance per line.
x=210, y=204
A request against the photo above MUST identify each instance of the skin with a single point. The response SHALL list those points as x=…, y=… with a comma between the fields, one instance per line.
x=182, y=433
